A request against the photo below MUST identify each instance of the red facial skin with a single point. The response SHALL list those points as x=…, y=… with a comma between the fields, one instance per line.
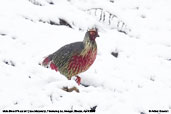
x=93, y=35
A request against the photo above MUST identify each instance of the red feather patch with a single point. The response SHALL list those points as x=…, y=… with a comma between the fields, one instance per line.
x=81, y=63
x=53, y=66
x=46, y=61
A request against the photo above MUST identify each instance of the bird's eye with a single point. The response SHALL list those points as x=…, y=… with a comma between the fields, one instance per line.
x=92, y=33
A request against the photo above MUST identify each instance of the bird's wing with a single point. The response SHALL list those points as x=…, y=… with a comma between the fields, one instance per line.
x=64, y=54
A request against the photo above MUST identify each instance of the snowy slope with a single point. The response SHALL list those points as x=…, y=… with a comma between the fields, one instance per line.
x=134, y=82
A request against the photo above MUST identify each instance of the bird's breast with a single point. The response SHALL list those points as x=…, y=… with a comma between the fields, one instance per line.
x=80, y=63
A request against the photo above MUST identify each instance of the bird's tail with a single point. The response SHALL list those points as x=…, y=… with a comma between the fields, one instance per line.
x=47, y=60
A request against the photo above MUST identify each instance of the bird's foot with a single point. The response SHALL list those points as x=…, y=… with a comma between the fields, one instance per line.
x=53, y=66
x=78, y=80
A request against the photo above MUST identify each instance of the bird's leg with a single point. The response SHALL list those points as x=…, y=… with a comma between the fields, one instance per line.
x=53, y=66
x=78, y=80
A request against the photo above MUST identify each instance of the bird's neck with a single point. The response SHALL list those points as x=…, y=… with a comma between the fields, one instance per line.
x=89, y=46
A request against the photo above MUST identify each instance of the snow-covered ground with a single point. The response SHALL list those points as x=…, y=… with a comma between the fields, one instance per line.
x=135, y=82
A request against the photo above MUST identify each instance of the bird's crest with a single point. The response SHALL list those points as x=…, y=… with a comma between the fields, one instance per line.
x=94, y=29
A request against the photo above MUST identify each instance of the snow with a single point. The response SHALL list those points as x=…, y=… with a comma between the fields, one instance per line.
x=136, y=81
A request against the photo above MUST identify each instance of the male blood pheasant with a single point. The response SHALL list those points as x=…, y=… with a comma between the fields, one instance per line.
x=74, y=58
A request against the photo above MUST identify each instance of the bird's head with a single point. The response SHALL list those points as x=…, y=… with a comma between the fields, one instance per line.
x=91, y=35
